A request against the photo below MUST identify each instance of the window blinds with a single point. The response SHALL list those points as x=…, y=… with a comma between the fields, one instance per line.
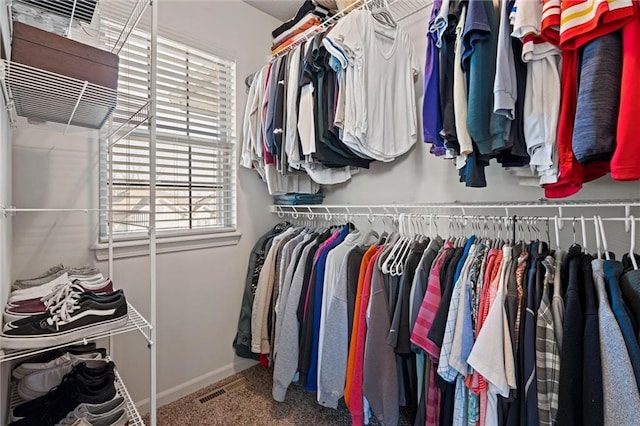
x=195, y=138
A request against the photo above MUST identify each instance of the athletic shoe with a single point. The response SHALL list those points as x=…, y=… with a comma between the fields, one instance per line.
x=28, y=368
x=119, y=418
x=78, y=317
x=37, y=291
x=27, y=282
x=74, y=389
x=55, y=353
x=43, y=290
x=101, y=298
x=32, y=307
x=37, y=384
x=93, y=412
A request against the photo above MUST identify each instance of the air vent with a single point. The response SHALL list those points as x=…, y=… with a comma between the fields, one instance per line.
x=211, y=395
x=230, y=387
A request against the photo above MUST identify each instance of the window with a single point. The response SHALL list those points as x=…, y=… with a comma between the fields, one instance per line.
x=195, y=140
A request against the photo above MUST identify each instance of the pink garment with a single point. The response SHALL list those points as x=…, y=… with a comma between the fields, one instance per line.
x=357, y=405
x=489, y=291
x=433, y=398
x=429, y=307
x=315, y=259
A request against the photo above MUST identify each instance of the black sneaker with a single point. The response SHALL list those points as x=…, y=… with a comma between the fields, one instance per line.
x=101, y=298
x=75, y=319
x=49, y=409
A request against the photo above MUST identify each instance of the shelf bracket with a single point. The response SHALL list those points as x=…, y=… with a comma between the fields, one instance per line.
x=73, y=113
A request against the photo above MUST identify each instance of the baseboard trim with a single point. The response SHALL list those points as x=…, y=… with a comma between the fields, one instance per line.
x=197, y=383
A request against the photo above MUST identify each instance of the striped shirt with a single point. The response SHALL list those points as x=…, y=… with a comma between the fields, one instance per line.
x=547, y=353
x=584, y=20
x=429, y=306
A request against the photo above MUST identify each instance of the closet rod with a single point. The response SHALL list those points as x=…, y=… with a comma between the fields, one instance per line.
x=541, y=204
x=317, y=215
x=387, y=209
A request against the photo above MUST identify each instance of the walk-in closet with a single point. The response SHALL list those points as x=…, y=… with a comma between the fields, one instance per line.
x=319, y=212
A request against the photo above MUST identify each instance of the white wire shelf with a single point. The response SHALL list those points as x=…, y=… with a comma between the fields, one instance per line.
x=134, y=416
x=132, y=411
x=400, y=9
x=40, y=94
x=130, y=124
x=135, y=321
x=76, y=19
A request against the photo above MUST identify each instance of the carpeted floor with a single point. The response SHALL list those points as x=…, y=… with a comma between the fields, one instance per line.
x=252, y=404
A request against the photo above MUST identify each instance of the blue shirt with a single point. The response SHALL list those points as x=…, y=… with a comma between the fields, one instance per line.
x=312, y=375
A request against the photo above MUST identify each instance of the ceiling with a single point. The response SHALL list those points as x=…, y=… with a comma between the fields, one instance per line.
x=279, y=9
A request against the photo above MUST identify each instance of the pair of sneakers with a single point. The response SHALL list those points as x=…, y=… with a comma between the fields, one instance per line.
x=52, y=273
x=36, y=379
x=110, y=413
x=82, y=385
x=77, y=316
x=51, y=300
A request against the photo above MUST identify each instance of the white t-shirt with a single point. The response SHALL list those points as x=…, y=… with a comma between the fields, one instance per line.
x=380, y=86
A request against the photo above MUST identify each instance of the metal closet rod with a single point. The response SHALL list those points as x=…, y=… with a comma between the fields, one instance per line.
x=396, y=209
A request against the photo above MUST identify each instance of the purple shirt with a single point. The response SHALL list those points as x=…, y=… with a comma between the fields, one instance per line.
x=431, y=114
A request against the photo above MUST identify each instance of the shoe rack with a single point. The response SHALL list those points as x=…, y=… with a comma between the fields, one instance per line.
x=81, y=100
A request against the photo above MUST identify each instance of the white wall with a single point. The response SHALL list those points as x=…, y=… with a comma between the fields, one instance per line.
x=199, y=291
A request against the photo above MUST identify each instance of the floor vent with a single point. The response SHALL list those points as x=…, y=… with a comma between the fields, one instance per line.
x=230, y=387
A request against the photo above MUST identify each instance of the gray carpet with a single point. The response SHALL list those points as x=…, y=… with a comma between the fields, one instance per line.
x=252, y=404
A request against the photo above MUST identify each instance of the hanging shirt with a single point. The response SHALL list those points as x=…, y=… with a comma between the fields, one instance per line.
x=625, y=164
x=333, y=345
x=356, y=403
x=385, y=57
x=492, y=355
x=431, y=115
x=366, y=258
x=479, y=60
x=547, y=354
x=576, y=30
x=621, y=397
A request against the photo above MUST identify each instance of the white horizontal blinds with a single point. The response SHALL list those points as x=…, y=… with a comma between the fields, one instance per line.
x=195, y=142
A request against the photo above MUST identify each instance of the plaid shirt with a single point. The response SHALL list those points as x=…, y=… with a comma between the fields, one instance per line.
x=547, y=354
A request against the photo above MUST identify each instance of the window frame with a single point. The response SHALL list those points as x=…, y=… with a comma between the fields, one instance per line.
x=204, y=236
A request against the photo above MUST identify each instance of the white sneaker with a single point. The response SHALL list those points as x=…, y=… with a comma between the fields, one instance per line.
x=28, y=368
x=39, y=383
x=93, y=412
x=39, y=291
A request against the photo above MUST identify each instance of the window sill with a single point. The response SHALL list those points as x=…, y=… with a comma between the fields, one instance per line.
x=134, y=248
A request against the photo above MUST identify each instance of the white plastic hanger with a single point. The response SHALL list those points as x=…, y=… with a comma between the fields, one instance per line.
x=605, y=246
x=391, y=256
x=584, y=235
x=556, y=228
x=598, y=242
x=633, y=243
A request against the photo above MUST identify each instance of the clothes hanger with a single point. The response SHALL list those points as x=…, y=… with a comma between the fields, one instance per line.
x=598, y=242
x=605, y=246
x=556, y=228
x=372, y=233
x=398, y=265
x=396, y=247
x=633, y=243
x=380, y=11
x=584, y=235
